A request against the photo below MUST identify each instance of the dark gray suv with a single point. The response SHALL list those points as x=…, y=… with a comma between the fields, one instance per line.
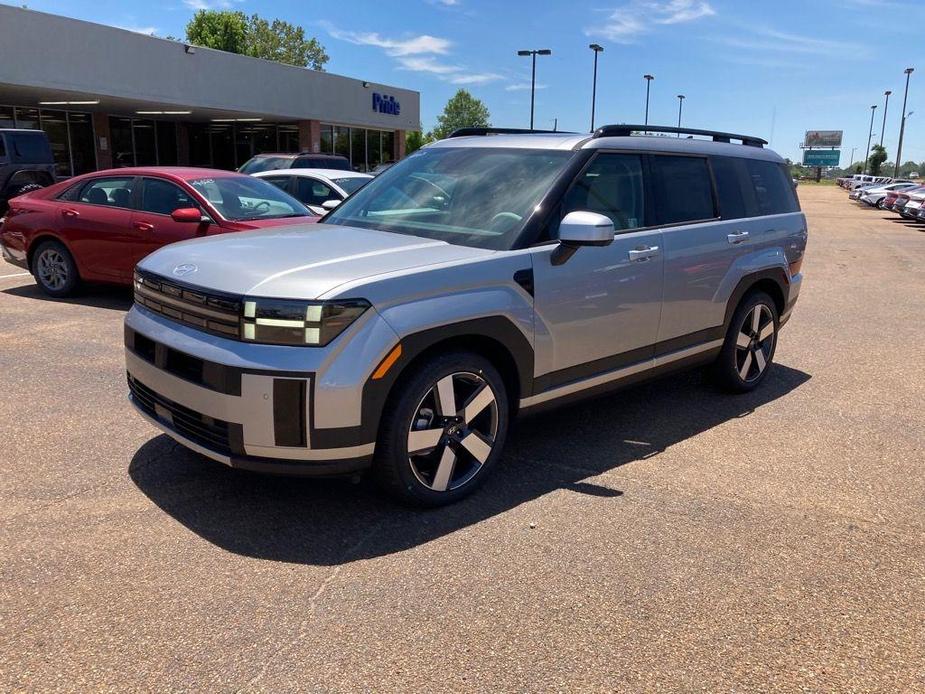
x=26, y=163
x=486, y=274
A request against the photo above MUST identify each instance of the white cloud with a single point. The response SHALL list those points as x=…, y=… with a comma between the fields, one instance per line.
x=427, y=64
x=522, y=86
x=637, y=17
x=773, y=41
x=210, y=4
x=476, y=78
x=414, y=45
x=150, y=31
x=446, y=3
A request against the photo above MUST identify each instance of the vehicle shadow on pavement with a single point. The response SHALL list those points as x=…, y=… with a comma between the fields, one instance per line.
x=330, y=522
x=115, y=298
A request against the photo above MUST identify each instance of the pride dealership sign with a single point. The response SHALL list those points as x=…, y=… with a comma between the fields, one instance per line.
x=383, y=103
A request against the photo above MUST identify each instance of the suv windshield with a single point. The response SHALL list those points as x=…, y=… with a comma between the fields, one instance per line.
x=258, y=164
x=470, y=196
x=242, y=198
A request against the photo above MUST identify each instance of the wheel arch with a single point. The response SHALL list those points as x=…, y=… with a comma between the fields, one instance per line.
x=773, y=281
x=40, y=238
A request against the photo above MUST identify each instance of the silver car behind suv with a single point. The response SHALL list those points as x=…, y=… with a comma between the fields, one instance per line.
x=491, y=273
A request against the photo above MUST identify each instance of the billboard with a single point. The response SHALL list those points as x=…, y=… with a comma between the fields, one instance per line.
x=821, y=157
x=822, y=138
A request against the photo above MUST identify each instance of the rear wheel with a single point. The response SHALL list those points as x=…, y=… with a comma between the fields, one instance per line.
x=443, y=430
x=745, y=359
x=55, y=270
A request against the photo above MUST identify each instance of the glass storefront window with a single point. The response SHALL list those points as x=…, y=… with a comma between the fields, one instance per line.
x=288, y=138
x=7, y=118
x=54, y=123
x=200, y=147
x=388, y=146
x=27, y=118
x=342, y=141
x=373, y=153
x=327, y=139
x=145, y=143
x=223, y=146
x=83, y=150
x=358, y=149
x=121, y=145
x=166, y=143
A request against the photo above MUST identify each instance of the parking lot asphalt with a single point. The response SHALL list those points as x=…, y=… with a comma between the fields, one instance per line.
x=666, y=537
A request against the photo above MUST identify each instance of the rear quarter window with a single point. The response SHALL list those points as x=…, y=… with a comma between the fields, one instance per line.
x=734, y=190
x=774, y=193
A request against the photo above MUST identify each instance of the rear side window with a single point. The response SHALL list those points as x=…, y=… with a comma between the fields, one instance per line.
x=773, y=188
x=2, y=148
x=314, y=192
x=112, y=192
x=734, y=190
x=685, y=193
x=612, y=185
x=30, y=147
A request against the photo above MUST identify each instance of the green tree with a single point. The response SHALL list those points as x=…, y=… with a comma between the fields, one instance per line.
x=235, y=32
x=415, y=139
x=284, y=43
x=222, y=30
x=462, y=111
x=876, y=159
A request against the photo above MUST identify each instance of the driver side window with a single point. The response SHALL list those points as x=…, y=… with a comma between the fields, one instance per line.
x=612, y=185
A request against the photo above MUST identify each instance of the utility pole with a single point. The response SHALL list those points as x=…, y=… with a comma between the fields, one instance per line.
x=870, y=135
x=597, y=48
x=902, y=125
x=534, y=53
x=886, y=105
x=648, y=79
x=681, y=99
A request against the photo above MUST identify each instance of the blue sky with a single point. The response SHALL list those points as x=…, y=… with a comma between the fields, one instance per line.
x=771, y=68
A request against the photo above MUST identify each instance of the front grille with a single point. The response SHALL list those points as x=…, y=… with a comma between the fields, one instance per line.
x=219, y=314
x=206, y=431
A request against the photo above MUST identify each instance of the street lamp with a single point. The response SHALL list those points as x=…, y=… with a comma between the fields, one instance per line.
x=870, y=134
x=597, y=48
x=681, y=99
x=902, y=125
x=541, y=51
x=886, y=105
x=648, y=79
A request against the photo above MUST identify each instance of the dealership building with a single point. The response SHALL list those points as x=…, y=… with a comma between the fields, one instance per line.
x=112, y=97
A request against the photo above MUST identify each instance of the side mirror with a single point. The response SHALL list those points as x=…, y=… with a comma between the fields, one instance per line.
x=330, y=204
x=189, y=215
x=579, y=229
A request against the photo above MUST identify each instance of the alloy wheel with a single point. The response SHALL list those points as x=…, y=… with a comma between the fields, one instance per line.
x=52, y=269
x=755, y=343
x=453, y=431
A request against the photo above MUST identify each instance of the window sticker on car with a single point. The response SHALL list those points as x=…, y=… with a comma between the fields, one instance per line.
x=202, y=181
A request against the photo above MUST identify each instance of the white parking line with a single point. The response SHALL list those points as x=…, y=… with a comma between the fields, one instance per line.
x=18, y=274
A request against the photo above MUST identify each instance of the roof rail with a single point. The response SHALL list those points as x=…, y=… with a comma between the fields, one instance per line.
x=625, y=130
x=466, y=132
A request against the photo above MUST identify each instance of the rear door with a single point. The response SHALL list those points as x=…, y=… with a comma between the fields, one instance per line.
x=97, y=226
x=152, y=225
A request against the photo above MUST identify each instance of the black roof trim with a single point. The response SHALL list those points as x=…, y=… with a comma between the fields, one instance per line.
x=467, y=132
x=625, y=130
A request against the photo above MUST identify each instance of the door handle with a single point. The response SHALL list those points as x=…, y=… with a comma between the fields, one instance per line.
x=144, y=226
x=70, y=213
x=640, y=254
x=737, y=237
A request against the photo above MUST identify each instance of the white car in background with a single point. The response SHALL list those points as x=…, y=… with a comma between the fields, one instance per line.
x=318, y=189
x=874, y=195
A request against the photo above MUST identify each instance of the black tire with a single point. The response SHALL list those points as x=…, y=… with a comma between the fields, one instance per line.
x=25, y=188
x=54, y=269
x=417, y=478
x=748, y=352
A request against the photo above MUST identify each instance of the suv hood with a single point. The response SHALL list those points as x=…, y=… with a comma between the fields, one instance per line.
x=297, y=262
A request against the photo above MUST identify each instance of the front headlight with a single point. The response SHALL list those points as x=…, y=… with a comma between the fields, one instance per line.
x=289, y=322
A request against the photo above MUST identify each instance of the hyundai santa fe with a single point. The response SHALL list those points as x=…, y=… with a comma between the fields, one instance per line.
x=491, y=273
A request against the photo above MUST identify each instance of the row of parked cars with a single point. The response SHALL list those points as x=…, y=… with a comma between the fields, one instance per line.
x=902, y=196
x=96, y=227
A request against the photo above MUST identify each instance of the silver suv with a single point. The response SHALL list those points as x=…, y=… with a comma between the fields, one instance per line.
x=491, y=273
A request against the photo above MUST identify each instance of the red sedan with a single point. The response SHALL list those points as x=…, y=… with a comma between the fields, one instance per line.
x=96, y=227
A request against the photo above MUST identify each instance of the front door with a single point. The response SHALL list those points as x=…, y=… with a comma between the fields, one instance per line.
x=599, y=311
x=152, y=224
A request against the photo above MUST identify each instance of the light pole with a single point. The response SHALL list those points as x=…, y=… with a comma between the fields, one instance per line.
x=541, y=51
x=902, y=125
x=648, y=79
x=597, y=48
x=886, y=105
x=870, y=134
x=681, y=99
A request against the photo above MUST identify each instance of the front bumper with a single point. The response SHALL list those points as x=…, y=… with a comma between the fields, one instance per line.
x=257, y=407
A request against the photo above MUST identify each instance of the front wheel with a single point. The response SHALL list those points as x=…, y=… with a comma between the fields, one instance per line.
x=443, y=430
x=55, y=270
x=745, y=359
